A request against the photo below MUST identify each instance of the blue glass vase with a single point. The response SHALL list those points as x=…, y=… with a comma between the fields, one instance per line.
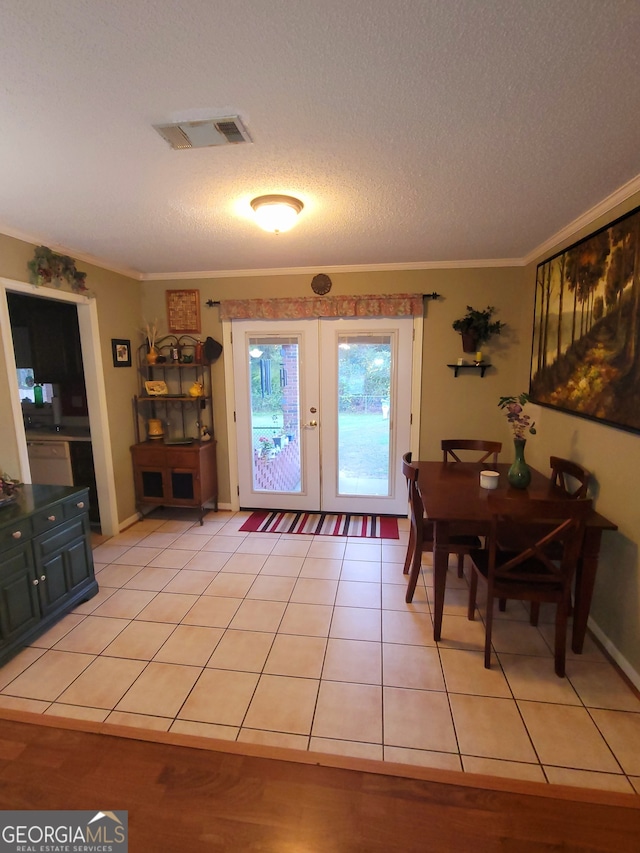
x=519, y=475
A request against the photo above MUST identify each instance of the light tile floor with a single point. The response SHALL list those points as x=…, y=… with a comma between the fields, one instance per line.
x=307, y=642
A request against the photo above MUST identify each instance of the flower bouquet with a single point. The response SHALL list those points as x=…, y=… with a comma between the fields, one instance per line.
x=519, y=475
x=518, y=421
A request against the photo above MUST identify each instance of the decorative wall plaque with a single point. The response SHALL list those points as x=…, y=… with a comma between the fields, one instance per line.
x=183, y=311
x=321, y=284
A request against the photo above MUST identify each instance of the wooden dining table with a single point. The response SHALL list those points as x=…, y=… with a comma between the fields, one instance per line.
x=451, y=494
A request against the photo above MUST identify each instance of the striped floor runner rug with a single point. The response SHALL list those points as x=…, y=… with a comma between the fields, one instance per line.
x=322, y=523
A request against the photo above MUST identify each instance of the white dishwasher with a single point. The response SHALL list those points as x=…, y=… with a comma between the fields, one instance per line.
x=50, y=463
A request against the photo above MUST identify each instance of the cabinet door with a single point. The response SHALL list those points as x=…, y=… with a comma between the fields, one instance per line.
x=185, y=486
x=84, y=473
x=150, y=484
x=62, y=562
x=19, y=608
x=55, y=341
x=184, y=474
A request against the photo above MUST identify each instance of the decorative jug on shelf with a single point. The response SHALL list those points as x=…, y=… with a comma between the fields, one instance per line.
x=196, y=390
x=155, y=430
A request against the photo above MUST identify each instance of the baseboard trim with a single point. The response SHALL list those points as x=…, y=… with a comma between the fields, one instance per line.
x=614, y=653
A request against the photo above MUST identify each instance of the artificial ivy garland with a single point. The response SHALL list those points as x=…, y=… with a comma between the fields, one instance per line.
x=49, y=268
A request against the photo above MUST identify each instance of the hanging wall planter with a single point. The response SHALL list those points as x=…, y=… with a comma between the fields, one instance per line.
x=476, y=327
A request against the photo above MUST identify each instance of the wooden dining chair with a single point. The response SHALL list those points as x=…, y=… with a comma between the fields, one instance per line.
x=457, y=450
x=534, y=574
x=451, y=447
x=421, y=530
x=573, y=481
x=570, y=477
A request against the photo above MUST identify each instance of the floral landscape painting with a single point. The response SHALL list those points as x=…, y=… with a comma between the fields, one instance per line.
x=585, y=357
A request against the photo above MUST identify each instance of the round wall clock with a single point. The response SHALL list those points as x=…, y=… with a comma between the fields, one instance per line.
x=321, y=284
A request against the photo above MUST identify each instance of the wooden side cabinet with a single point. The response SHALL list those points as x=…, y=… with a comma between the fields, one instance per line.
x=46, y=564
x=175, y=475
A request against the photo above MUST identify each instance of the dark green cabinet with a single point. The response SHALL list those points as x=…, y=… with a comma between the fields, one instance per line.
x=46, y=564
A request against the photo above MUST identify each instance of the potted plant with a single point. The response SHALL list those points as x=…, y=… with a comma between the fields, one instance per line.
x=476, y=327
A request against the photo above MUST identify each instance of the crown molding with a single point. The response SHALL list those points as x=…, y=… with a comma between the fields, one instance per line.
x=585, y=220
x=65, y=250
x=347, y=268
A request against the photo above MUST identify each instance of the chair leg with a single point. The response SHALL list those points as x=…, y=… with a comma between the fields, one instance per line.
x=460, y=565
x=473, y=590
x=535, y=613
x=410, y=549
x=487, y=632
x=561, y=638
x=413, y=576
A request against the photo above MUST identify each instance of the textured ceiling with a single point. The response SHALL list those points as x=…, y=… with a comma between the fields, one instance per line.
x=415, y=132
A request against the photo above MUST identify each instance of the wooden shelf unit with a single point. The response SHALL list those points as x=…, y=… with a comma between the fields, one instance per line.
x=183, y=473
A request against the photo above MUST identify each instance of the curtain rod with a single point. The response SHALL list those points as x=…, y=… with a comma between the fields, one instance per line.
x=211, y=303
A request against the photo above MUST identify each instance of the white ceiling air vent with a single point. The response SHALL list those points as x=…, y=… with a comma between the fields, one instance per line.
x=202, y=134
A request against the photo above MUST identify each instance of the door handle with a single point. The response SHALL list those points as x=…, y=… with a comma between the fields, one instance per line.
x=311, y=424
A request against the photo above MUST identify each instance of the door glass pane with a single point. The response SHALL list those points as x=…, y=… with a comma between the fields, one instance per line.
x=275, y=413
x=364, y=394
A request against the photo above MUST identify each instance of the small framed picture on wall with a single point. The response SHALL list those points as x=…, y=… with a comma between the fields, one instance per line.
x=121, y=351
x=183, y=312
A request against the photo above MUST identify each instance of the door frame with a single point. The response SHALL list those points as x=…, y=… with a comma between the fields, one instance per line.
x=229, y=379
x=96, y=393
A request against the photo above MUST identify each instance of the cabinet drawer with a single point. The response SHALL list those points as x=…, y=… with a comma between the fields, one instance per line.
x=14, y=534
x=50, y=543
x=76, y=505
x=149, y=456
x=47, y=518
x=182, y=459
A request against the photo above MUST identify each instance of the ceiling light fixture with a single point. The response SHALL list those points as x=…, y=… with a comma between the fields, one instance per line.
x=276, y=213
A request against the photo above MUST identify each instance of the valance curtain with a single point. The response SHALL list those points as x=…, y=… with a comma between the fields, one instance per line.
x=379, y=305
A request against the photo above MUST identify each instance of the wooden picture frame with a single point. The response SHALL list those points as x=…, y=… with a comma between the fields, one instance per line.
x=121, y=352
x=183, y=312
x=585, y=356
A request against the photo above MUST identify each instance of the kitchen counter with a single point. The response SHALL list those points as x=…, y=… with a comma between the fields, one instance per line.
x=65, y=434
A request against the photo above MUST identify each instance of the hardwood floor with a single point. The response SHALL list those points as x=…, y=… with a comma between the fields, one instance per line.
x=218, y=796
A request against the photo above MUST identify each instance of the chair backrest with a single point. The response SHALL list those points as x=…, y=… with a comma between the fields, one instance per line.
x=484, y=448
x=555, y=522
x=415, y=501
x=409, y=470
x=565, y=474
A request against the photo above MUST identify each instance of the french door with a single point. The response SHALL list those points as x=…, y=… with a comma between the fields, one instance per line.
x=323, y=413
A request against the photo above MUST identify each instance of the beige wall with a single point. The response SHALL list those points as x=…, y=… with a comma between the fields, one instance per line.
x=118, y=303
